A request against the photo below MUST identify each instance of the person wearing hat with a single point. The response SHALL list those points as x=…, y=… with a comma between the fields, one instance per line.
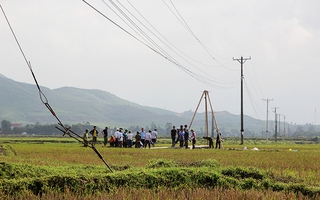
x=129, y=139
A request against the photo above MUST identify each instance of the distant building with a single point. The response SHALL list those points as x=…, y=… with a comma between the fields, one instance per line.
x=16, y=126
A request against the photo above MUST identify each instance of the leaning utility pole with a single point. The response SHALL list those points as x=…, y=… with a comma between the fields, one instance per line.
x=242, y=61
x=276, y=123
x=267, y=100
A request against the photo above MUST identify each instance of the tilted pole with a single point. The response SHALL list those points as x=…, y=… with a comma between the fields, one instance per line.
x=195, y=112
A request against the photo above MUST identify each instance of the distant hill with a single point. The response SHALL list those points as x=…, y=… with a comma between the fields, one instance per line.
x=20, y=103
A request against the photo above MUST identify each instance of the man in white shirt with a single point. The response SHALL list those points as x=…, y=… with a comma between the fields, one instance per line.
x=147, y=140
x=120, y=138
x=116, y=136
x=154, y=136
x=130, y=137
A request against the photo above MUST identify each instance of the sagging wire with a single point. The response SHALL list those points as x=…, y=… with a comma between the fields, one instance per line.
x=160, y=51
x=44, y=100
x=253, y=103
x=162, y=35
x=184, y=23
x=155, y=45
x=171, y=48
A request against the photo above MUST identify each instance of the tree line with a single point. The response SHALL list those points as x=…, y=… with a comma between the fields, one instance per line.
x=49, y=129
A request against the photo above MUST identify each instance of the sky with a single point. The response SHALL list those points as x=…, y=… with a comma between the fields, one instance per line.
x=165, y=53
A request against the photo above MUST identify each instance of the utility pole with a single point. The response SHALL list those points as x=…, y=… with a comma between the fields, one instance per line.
x=242, y=61
x=284, y=126
x=276, y=123
x=267, y=100
x=279, y=125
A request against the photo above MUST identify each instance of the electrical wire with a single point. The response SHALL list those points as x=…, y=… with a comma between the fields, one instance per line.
x=184, y=23
x=148, y=37
x=253, y=103
x=163, y=35
x=221, y=82
x=62, y=128
x=163, y=54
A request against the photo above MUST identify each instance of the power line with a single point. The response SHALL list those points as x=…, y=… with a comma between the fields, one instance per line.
x=184, y=23
x=154, y=46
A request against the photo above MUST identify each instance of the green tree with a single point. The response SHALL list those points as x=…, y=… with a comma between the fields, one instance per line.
x=6, y=126
x=168, y=127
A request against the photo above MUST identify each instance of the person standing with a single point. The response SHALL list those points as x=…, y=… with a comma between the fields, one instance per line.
x=130, y=137
x=218, y=140
x=105, y=136
x=186, y=138
x=147, y=139
x=181, y=137
x=138, y=140
x=193, y=138
x=143, y=135
x=116, y=137
x=85, y=138
x=120, y=138
x=94, y=133
x=154, y=136
x=125, y=138
x=173, y=136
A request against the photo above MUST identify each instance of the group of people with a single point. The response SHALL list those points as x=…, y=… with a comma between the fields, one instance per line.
x=142, y=139
x=94, y=132
x=218, y=141
x=182, y=136
x=124, y=138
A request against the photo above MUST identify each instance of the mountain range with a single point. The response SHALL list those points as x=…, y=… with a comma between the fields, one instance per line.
x=21, y=103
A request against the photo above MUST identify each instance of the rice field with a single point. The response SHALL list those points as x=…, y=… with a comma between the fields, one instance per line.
x=284, y=162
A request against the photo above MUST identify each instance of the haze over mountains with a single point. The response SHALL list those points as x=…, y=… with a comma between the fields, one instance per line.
x=20, y=103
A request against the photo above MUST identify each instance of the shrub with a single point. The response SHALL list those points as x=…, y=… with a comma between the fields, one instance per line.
x=156, y=163
x=243, y=173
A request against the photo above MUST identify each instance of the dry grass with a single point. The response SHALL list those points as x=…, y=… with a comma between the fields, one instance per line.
x=171, y=194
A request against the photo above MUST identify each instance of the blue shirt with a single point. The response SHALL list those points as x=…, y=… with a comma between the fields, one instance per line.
x=143, y=135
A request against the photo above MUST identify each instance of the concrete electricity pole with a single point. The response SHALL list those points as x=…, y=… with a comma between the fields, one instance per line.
x=284, y=126
x=276, y=123
x=242, y=61
x=279, y=125
x=267, y=100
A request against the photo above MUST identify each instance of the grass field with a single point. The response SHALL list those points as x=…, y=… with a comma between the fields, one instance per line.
x=61, y=168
